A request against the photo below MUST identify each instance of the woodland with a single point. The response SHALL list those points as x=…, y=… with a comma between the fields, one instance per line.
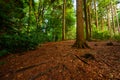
x=59, y=39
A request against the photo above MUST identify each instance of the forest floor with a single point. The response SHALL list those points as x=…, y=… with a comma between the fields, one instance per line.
x=59, y=61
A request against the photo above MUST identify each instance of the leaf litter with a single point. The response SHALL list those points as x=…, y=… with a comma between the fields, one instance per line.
x=59, y=61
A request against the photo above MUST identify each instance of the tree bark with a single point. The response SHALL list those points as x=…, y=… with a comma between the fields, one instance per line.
x=89, y=21
x=63, y=28
x=29, y=20
x=102, y=23
x=86, y=20
x=108, y=18
x=80, y=41
x=117, y=19
x=112, y=14
x=96, y=14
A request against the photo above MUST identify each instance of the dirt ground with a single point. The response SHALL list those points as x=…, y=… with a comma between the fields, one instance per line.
x=59, y=61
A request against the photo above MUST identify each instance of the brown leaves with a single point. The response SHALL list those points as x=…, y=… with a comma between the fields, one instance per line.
x=57, y=60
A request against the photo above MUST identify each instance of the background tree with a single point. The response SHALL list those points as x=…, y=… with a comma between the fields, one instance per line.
x=96, y=14
x=86, y=19
x=64, y=20
x=27, y=23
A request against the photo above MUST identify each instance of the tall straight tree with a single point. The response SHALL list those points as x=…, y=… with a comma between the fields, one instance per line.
x=80, y=41
x=89, y=20
x=30, y=11
x=116, y=15
x=86, y=20
x=96, y=14
x=112, y=14
x=63, y=28
x=108, y=18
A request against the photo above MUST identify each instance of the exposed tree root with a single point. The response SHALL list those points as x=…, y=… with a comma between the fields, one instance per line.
x=88, y=56
x=109, y=65
x=29, y=67
x=82, y=60
x=24, y=68
x=66, y=68
x=43, y=73
x=82, y=45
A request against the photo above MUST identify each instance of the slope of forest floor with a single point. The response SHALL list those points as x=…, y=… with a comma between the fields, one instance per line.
x=59, y=61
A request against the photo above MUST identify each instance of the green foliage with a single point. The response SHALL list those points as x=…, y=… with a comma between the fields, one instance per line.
x=71, y=33
x=3, y=52
x=2, y=63
x=117, y=37
x=10, y=13
x=102, y=35
x=17, y=43
x=119, y=15
x=26, y=24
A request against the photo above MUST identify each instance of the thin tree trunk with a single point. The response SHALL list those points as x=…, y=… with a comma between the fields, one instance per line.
x=117, y=18
x=63, y=28
x=89, y=20
x=29, y=21
x=112, y=14
x=96, y=14
x=108, y=19
x=102, y=23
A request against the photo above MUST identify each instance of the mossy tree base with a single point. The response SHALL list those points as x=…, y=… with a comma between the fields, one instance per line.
x=79, y=44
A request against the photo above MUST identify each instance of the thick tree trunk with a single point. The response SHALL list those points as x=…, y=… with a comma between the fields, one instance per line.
x=80, y=41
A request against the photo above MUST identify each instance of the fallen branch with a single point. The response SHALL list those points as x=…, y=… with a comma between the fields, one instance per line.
x=82, y=60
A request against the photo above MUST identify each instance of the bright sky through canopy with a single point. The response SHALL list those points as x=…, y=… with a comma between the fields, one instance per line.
x=74, y=1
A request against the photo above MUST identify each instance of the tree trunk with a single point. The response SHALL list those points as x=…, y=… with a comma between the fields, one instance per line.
x=63, y=28
x=96, y=14
x=89, y=21
x=102, y=23
x=117, y=20
x=86, y=20
x=80, y=41
x=113, y=22
x=108, y=18
x=30, y=9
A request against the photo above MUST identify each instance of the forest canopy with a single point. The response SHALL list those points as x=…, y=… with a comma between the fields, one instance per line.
x=27, y=23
